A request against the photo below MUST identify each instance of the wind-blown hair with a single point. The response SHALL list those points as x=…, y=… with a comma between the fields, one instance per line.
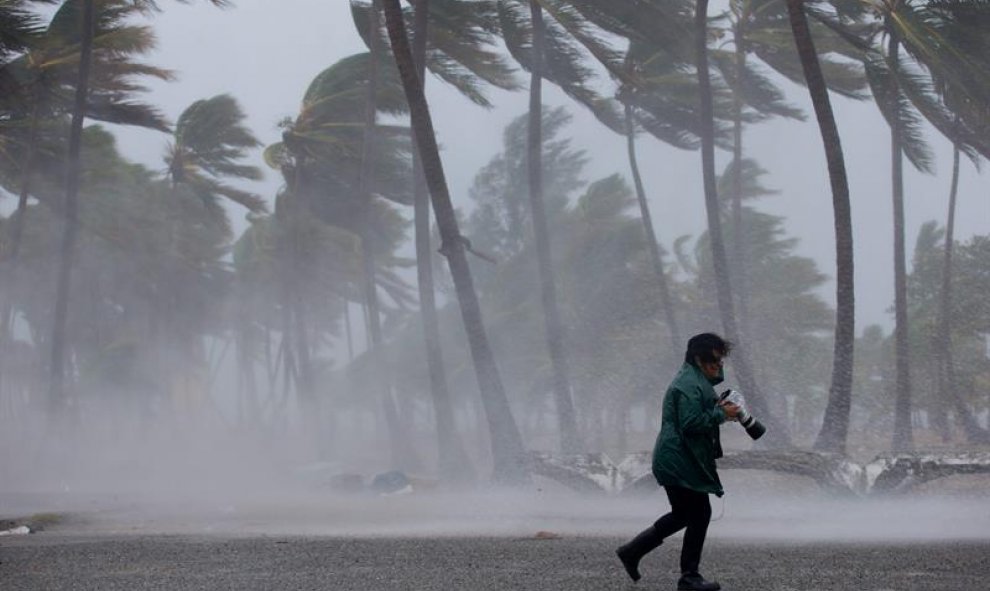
x=704, y=346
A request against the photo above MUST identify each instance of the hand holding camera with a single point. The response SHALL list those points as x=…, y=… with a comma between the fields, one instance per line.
x=734, y=405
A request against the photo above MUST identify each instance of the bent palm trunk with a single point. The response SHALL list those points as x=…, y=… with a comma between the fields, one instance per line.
x=506, y=442
x=835, y=427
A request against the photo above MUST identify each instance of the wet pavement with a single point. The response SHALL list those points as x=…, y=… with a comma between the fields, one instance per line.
x=52, y=560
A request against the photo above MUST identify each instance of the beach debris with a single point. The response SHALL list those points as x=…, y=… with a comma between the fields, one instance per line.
x=391, y=483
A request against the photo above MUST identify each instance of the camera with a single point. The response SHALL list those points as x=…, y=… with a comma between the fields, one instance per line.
x=754, y=428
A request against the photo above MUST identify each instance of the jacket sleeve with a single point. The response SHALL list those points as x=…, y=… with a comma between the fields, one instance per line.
x=693, y=417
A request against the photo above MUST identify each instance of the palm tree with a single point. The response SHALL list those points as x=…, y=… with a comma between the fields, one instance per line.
x=550, y=48
x=507, y=448
x=454, y=39
x=915, y=74
x=962, y=81
x=209, y=143
x=658, y=96
x=760, y=29
x=19, y=28
x=45, y=75
x=327, y=155
x=451, y=458
x=949, y=390
x=86, y=20
x=716, y=240
x=570, y=441
x=832, y=436
x=210, y=140
x=402, y=453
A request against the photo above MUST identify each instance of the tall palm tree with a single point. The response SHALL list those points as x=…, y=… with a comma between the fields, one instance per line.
x=209, y=144
x=327, y=156
x=506, y=442
x=455, y=40
x=570, y=441
x=550, y=47
x=832, y=436
x=86, y=22
x=962, y=81
x=45, y=71
x=452, y=459
x=659, y=95
x=716, y=239
x=760, y=29
x=653, y=243
x=914, y=51
x=402, y=453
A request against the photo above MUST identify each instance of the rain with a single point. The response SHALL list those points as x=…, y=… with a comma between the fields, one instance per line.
x=291, y=299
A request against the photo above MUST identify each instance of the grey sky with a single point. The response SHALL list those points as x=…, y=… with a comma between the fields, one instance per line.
x=265, y=53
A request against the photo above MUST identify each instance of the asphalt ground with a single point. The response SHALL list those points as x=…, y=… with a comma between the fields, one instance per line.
x=760, y=539
x=140, y=562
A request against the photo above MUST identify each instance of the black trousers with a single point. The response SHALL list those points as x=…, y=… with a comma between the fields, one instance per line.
x=691, y=510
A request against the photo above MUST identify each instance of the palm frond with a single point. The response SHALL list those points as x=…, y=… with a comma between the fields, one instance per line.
x=750, y=174
x=897, y=110
x=755, y=89
x=124, y=112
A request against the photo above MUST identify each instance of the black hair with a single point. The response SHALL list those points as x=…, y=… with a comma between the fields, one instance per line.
x=704, y=346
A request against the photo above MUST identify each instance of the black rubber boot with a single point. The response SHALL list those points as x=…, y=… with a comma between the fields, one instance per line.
x=695, y=582
x=630, y=554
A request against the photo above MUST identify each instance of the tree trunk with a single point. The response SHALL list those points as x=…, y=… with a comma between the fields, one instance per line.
x=778, y=430
x=943, y=340
x=71, y=209
x=507, y=447
x=403, y=453
x=349, y=331
x=452, y=460
x=739, y=254
x=835, y=427
x=651, y=238
x=7, y=292
x=903, y=437
x=950, y=392
x=569, y=440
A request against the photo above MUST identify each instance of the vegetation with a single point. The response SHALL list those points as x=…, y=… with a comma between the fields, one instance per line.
x=130, y=296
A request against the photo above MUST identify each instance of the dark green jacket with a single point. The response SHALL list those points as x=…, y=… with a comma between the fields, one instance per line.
x=688, y=443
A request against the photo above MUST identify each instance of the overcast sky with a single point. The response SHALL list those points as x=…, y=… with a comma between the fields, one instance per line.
x=265, y=53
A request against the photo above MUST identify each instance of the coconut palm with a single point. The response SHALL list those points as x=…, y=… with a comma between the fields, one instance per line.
x=210, y=141
x=507, y=448
x=715, y=234
x=206, y=153
x=86, y=19
x=760, y=29
x=661, y=100
x=963, y=82
x=914, y=51
x=19, y=28
x=832, y=436
x=45, y=72
x=551, y=46
x=455, y=40
x=326, y=156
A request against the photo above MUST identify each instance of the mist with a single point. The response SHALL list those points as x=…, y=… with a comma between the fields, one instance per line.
x=227, y=369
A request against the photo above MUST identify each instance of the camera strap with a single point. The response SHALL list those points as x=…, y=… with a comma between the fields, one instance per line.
x=721, y=512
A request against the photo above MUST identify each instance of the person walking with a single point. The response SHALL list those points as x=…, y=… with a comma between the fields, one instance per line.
x=684, y=460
